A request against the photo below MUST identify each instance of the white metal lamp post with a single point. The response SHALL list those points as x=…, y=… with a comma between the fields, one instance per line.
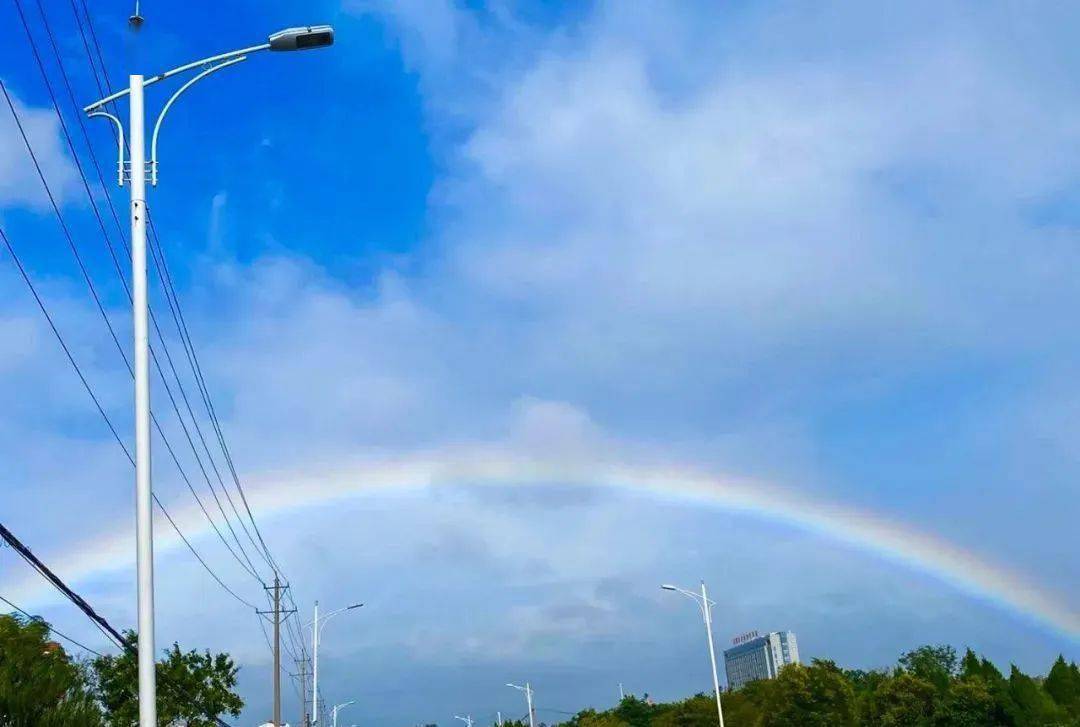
x=467, y=719
x=527, y=689
x=705, y=605
x=316, y=634
x=339, y=707
x=291, y=39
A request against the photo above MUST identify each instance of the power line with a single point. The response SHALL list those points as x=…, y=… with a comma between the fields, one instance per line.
x=63, y=343
x=97, y=404
x=67, y=351
x=173, y=300
x=170, y=290
x=250, y=567
x=60, y=219
x=97, y=46
x=168, y=286
x=51, y=628
x=71, y=595
x=158, y=251
x=86, y=45
x=85, y=607
x=269, y=644
x=93, y=292
x=63, y=126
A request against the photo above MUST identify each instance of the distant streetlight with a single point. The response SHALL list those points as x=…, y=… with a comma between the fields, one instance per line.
x=527, y=689
x=338, y=707
x=705, y=605
x=467, y=719
x=291, y=39
x=317, y=625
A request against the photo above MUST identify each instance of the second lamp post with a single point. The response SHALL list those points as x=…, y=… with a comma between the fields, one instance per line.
x=705, y=605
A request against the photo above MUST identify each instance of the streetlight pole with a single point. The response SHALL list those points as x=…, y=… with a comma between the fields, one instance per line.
x=290, y=39
x=527, y=689
x=705, y=605
x=339, y=707
x=316, y=636
x=144, y=523
x=467, y=719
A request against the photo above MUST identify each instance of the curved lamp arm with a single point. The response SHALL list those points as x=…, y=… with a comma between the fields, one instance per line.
x=327, y=617
x=168, y=105
x=290, y=39
x=702, y=603
x=179, y=69
x=119, y=143
x=323, y=619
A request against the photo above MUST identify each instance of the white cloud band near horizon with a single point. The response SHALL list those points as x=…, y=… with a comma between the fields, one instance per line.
x=273, y=496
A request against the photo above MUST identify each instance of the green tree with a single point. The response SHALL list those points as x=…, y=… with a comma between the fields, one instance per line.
x=935, y=664
x=865, y=681
x=193, y=689
x=904, y=700
x=635, y=711
x=40, y=685
x=697, y=711
x=1063, y=686
x=970, y=703
x=742, y=708
x=972, y=667
x=818, y=695
x=592, y=718
x=1030, y=705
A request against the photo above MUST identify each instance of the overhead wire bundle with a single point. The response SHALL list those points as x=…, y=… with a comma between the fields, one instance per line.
x=250, y=552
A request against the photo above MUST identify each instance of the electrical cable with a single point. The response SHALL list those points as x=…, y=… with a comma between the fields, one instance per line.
x=97, y=404
x=26, y=554
x=167, y=282
x=171, y=297
x=249, y=565
x=86, y=277
x=49, y=626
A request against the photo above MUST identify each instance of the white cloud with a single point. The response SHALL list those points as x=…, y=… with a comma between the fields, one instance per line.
x=19, y=182
x=715, y=248
x=429, y=29
x=549, y=427
x=709, y=263
x=707, y=269
x=765, y=207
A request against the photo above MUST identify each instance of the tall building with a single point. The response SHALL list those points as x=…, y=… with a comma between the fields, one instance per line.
x=756, y=657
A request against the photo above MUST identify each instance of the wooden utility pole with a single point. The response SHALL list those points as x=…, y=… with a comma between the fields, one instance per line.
x=277, y=614
x=302, y=665
x=277, y=651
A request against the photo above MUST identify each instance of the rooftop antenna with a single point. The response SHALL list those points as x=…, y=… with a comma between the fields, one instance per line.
x=136, y=19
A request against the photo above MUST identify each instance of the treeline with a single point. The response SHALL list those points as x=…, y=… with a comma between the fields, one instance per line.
x=42, y=685
x=929, y=687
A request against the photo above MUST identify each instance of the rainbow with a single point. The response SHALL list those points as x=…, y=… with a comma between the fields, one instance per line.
x=276, y=495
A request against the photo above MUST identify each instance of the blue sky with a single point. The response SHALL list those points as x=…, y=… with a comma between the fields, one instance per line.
x=822, y=246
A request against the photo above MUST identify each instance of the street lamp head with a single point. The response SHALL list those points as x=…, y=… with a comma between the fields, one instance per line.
x=668, y=587
x=355, y=605
x=312, y=36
